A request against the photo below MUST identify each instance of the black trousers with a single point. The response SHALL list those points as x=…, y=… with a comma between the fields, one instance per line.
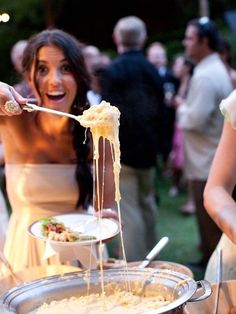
x=209, y=232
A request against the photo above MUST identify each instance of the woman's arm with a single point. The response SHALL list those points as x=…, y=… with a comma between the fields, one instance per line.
x=221, y=181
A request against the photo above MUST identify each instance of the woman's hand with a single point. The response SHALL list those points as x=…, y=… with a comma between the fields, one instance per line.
x=10, y=100
x=108, y=213
x=177, y=101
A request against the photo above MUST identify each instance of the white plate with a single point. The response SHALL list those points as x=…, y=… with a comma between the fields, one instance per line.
x=103, y=229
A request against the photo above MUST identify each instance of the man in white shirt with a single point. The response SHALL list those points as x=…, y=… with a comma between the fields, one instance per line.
x=200, y=118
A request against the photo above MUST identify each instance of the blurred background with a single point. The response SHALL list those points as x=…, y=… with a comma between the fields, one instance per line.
x=92, y=21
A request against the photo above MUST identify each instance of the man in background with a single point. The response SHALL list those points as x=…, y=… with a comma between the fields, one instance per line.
x=201, y=120
x=133, y=85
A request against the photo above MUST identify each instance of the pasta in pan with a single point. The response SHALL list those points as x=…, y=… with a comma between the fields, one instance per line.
x=121, y=302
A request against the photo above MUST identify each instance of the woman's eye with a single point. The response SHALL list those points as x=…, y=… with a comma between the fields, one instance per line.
x=66, y=68
x=42, y=69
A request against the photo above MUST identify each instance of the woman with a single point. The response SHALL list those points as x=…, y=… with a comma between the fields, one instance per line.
x=183, y=69
x=48, y=167
x=218, y=198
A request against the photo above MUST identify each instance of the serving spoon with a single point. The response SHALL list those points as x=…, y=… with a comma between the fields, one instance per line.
x=153, y=253
x=32, y=107
x=148, y=259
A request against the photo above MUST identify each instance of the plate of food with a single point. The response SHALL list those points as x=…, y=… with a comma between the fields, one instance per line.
x=74, y=229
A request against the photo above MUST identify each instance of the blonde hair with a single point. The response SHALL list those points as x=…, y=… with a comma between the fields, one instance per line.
x=130, y=31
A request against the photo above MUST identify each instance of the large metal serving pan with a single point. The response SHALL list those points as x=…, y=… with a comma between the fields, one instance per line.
x=26, y=298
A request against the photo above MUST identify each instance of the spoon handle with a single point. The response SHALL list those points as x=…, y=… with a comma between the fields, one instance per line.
x=32, y=107
x=153, y=253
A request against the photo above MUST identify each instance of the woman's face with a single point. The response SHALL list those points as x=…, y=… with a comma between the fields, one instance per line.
x=178, y=67
x=56, y=84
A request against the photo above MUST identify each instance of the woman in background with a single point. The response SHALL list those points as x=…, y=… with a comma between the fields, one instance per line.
x=182, y=69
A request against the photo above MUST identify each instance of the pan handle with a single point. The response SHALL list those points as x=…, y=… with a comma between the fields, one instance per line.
x=207, y=291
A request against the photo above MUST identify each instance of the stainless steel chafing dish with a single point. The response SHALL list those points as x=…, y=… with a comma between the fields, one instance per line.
x=28, y=297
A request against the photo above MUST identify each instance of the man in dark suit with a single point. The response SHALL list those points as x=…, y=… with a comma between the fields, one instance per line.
x=133, y=85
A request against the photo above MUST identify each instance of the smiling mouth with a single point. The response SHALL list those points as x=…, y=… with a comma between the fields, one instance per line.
x=56, y=97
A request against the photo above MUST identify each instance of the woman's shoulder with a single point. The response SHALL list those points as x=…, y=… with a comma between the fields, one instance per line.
x=228, y=108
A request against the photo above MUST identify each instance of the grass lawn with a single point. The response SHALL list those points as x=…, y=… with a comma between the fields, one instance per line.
x=181, y=229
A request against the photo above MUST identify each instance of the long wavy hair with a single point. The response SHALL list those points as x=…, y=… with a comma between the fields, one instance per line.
x=72, y=50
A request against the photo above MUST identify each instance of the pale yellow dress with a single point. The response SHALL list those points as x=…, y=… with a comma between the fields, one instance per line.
x=36, y=191
x=228, y=261
x=228, y=109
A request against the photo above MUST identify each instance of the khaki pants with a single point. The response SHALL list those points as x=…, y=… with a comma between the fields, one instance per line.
x=138, y=211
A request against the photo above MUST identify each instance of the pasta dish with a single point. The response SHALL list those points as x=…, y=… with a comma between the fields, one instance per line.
x=120, y=302
x=103, y=121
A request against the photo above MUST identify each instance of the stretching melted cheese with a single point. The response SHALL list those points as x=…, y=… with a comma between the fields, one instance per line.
x=103, y=121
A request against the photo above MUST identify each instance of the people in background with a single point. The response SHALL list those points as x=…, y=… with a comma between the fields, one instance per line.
x=157, y=55
x=91, y=55
x=95, y=61
x=17, y=52
x=96, y=71
x=201, y=121
x=226, y=55
x=183, y=70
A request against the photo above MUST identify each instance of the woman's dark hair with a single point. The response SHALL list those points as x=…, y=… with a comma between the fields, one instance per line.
x=207, y=29
x=72, y=50
x=225, y=49
x=190, y=64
